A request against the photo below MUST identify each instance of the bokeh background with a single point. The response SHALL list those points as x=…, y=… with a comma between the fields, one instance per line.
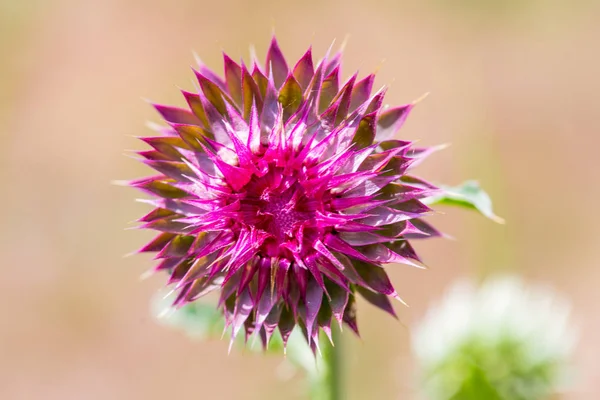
x=514, y=87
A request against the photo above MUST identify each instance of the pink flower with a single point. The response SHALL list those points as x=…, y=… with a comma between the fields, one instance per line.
x=285, y=192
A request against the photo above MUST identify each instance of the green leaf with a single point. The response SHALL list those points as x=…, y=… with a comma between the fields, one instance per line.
x=468, y=195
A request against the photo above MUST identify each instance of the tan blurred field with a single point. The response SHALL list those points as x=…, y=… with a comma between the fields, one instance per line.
x=514, y=87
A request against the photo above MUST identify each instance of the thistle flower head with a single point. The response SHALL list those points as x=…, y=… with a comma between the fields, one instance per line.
x=284, y=190
x=504, y=340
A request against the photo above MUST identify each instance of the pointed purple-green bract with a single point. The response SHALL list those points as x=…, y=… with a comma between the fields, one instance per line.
x=283, y=189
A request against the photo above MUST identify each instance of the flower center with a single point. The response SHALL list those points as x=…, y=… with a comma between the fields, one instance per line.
x=283, y=216
x=277, y=204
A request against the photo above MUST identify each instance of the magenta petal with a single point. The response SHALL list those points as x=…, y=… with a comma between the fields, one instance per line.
x=370, y=186
x=276, y=63
x=338, y=302
x=358, y=158
x=195, y=104
x=324, y=321
x=156, y=214
x=175, y=170
x=251, y=95
x=314, y=296
x=235, y=176
x=335, y=243
x=286, y=324
x=233, y=78
x=265, y=305
x=157, y=243
x=212, y=93
x=390, y=121
x=177, y=115
x=339, y=204
x=271, y=110
x=177, y=247
x=385, y=216
x=420, y=230
x=361, y=92
x=375, y=102
x=333, y=274
x=350, y=315
x=248, y=272
x=333, y=63
x=198, y=271
x=311, y=264
x=204, y=70
x=329, y=88
x=243, y=307
x=290, y=97
x=362, y=238
x=304, y=70
x=377, y=162
x=160, y=187
x=412, y=207
x=419, y=154
x=254, y=133
x=381, y=254
x=375, y=277
x=272, y=321
x=321, y=248
x=378, y=300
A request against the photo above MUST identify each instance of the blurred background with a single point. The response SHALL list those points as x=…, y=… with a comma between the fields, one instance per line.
x=514, y=88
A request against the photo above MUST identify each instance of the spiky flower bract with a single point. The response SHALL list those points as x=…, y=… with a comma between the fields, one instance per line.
x=285, y=191
x=505, y=340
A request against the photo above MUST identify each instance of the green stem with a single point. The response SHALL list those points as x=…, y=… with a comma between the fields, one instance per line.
x=327, y=381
